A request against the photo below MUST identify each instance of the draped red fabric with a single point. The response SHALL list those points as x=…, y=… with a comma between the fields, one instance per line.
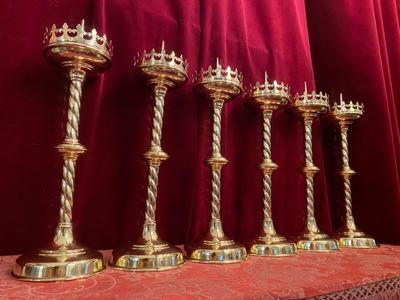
x=343, y=46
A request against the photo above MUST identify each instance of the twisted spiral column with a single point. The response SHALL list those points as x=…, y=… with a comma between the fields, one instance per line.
x=309, y=171
x=70, y=150
x=216, y=161
x=154, y=156
x=347, y=172
x=267, y=173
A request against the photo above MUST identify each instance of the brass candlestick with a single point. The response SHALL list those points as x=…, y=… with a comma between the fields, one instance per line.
x=80, y=53
x=161, y=71
x=344, y=114
x=309, y=106
x=269, y=97
x=219, y=85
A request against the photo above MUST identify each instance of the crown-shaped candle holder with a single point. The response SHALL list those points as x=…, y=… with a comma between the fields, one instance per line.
x=225, y=81
x=220, y=85
x=161, y=71
x=350, y=111
x=79, y=53
x=268, y=97
x=308, y=106
x=88, y=47
x=344, y=114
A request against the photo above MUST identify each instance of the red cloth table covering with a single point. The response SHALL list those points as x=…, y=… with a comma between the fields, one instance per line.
x=348, y=274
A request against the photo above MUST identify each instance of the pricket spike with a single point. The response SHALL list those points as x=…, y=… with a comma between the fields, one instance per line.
x=162, y=47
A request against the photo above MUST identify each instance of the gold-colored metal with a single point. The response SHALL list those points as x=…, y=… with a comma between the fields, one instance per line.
x=309, y=106
x=220, y=85
x=81, y=53
x=269, y=97
x=344, y=114
x=161, y=71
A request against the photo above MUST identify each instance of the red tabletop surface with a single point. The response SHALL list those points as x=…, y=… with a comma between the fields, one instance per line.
x=307, y=274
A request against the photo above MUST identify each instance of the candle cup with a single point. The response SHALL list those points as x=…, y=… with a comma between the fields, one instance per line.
x=268, y=97
x=79, y=53
x=161, y=71
x=344, y=114
x=308, y=106
x=220, y=85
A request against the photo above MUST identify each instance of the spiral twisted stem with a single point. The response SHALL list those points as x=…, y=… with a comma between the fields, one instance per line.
x=154, y=158
x=159, y=95
x=216, y=195
x=267, y=115
x=268, y=224
x=216, y=135
x=346, y=179
x=309, y=173
x=216, y=161
x=64, y=235
x=75, y=92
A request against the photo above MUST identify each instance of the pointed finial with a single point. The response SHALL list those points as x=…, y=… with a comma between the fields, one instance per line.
x=305, y=87
x=266, y=77
x=341, y=99
x=218, y=65
x=162, y=46
x=83, y=24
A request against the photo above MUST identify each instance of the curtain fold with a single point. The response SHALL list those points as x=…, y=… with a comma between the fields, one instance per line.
x=336, y=46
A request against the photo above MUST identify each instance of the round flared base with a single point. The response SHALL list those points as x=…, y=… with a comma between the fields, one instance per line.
x=147, y=257
x=356, y=239
x=317, y=242
x=58, y=264
x=217, y=252
x=272, y=246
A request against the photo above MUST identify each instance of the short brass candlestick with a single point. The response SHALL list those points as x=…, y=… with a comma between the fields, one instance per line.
x=269, y=97
x=220, y=85
x=80, y=53
x=161, y=71
x=344, y=114
x=309, y=106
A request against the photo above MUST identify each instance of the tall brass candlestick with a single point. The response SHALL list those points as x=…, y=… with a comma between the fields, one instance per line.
x=220, y=85
x=80, y=53
x=344, y=114
x=161, y=71
x=309, y=106
x=269, y=97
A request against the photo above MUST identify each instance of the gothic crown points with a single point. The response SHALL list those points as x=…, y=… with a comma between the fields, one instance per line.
x=161, y=58
x=312, y=98
x=66, y=34
x=219, y=73
x=266, y=88
x=345, y=108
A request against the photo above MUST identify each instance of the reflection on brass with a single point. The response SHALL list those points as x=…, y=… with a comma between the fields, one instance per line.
x=80, y=53
x=268, y=97
x=308, y=107
x=219, y=85
x=344, y=114
x=161, y=71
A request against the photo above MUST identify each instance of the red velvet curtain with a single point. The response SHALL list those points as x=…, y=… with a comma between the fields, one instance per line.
x=347, y=46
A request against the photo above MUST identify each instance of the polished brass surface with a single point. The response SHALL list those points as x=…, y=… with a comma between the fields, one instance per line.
x=344, y=114
x=219, y=85
x=79, y=53
x=161, y=71
x=309, y=106
x=268, y=97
